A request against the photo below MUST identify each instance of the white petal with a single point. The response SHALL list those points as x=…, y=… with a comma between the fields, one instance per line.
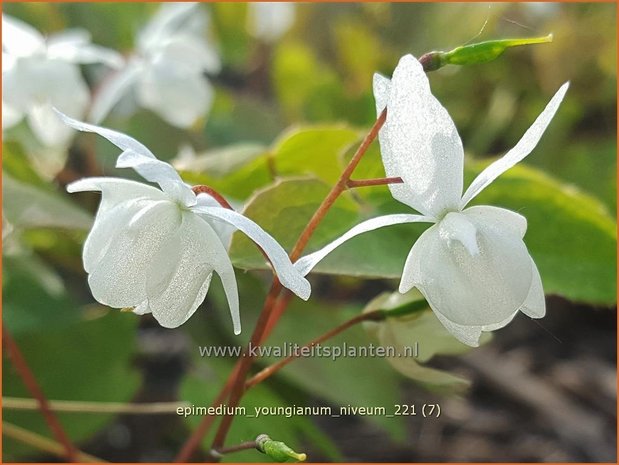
x=115, y=191
x=424, y=147
x=177, y=93
x=500, y=218
x=160, y=172
x=270, y=20
x=19, y=38
x=286, y=273
x=401, y=192
x=142, y=309
x=168, y=20
x=524, y=147
x=305, y=264
x=181, y=273
x=190, y=51
x=468, y=335
x=470, y=290
x=119, y=139
x=112, y=90
x=46, y=125
x=85, y=54
x=535, y=304
x=119, y=250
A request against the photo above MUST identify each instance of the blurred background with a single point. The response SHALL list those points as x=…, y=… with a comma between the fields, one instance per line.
x=538, y=391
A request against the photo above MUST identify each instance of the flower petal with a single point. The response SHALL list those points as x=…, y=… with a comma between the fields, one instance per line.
x=535, y=304
x=182, y=270
x=425, y=149
x=119, y=250
x=499, y=218
x=112, y=90
x=19, y=38
x=120, y=140
x=270, y=20
x=176, y=92
x=524, y=147
x=470, y=289
x=168, y=20
x=85, y=54
x=138, y=157
x=470, y=335
x=401, y=192
x=305, y=264
x=45, y=124
x=286, y=272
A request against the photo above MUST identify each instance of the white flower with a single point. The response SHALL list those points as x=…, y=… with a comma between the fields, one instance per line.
x=472, y=265
x=167, y=69
x=155, y=250
x=39, y=73
x=269, y=20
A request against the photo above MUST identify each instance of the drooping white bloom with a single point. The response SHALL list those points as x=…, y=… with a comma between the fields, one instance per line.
x=40, y=73
x=155, y=250
x=270, y=20
x=472, y=265
x=166, y=72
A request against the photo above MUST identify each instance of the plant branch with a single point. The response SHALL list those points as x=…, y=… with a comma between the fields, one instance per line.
x=265, y=373
x=238, y=448
x=351, y=184
x=42, y=443
x=235, y=383
x=70, y=406
x=19, y=362
x=202, y=189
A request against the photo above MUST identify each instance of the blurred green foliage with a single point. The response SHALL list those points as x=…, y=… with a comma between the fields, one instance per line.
x=286, y=117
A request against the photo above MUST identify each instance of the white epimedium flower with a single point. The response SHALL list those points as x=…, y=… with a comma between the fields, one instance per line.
x=155, y=250
x=472, y=265
x=270, y=20
x=40, y=73
x=166, y=72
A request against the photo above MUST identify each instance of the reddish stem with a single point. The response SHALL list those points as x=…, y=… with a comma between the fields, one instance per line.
x=272, y=369
x=273, y=307
x=351, y=184
x=19, y=362
x=202, y=189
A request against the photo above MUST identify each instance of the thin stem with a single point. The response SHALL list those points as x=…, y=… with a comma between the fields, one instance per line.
x=202, y=430
x=265, y=373
x=234, y=385
x=352, y=183
x=70, y=406
x=19, y=362
x=202, y=189
x=238, y=387
x=238, y=448
x=42, y=443
x=339, y=187
x=271, y=313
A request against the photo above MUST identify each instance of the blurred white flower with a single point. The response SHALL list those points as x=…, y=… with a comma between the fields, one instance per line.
x=472, y=265
x=269, y=20
x=155, y=250
x=166, y=72
x=39, y=73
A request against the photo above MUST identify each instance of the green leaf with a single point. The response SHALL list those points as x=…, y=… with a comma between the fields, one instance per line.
x=313, y=150
x=28, y=282
x=284, y=209
x=26, y=206
x=89, y=361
